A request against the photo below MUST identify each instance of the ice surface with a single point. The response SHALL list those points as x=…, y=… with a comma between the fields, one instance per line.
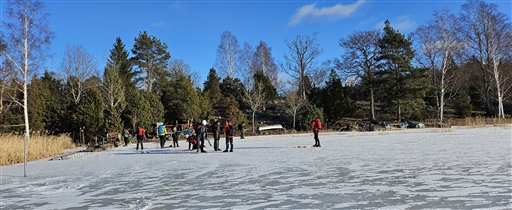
x=463, y=168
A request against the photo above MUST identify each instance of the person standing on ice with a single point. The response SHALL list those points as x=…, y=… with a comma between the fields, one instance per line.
x=200, y=136
x=175, y=136
x=229, y=130
x=242, y=130
x=216, y=135
x=141, y=133
x=316, y=125
x=162, y=132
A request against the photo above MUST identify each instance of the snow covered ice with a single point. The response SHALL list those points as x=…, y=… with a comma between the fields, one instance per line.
x=458, y=168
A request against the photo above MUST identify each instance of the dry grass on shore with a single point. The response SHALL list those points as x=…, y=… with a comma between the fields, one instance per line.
x=471, y=121
x=39, y=147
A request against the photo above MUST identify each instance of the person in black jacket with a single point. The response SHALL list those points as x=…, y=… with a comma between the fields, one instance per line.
x=216, y=128
x=201, y=135
x=242, y=130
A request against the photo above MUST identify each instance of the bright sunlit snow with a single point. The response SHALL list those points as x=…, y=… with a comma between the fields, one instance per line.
x=458, y=168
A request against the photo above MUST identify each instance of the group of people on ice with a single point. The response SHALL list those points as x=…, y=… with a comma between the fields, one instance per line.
x=196, y=135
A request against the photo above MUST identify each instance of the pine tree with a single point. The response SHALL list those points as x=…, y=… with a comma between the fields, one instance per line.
x=212, y=88
x=268, y=87
x=180, y=98
x=335, y=99
x=119, y=60
x=151, y=57
x=405, y=85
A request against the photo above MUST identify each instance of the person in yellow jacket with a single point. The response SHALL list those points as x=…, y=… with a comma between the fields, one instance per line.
x=161, y=134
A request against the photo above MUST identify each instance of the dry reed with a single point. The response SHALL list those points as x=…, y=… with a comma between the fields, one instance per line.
x=39, y=147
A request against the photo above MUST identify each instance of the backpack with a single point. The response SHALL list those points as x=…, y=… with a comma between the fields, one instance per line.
x=231, y=130
x=160, y=129
x=214, y=128
x=140, y=132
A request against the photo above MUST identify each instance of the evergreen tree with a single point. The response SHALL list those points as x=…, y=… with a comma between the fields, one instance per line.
x=233, y=88
x=114, y=123
x=44, y=105
x=54, y=104
x=268, y=87
x=156, y=109
x=212, y=87
x=180, y=99
x=89, y=115
x=405, y=85
x=37, y=104
x=119, y=60
x=308, y=112
x=136, y=112
x=204, y=105
x=151, y=58
x=335, y=99
x=462, y=104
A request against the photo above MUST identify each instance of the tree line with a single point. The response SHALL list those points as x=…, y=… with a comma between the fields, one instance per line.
x=462, y=61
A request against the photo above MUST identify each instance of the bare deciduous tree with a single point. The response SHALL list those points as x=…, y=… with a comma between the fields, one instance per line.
x=487, y=33
x=263, y=61
x=301, y=60
x=78, y=66
x=254, y=95
x=292, y=102
x=440, y=44
x=112, y=90
x=227, y=55
x=246, y=56
x=27, y=44
x=359, y=60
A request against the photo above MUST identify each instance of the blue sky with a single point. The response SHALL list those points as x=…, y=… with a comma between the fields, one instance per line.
x=192, y=29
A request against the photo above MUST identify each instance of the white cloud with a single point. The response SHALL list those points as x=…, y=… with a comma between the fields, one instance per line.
x=332, y=13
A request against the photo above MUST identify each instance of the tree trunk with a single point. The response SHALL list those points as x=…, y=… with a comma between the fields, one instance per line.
x=372, y=103
x=253, y=121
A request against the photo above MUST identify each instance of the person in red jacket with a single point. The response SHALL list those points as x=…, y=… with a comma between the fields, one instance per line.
x=315, y=126
x=229, y=130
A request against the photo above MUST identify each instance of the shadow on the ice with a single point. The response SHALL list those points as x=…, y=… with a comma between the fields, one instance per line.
x=275, y=147
x=156, y=152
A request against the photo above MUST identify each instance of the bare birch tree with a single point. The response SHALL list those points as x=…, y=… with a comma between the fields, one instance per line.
x=301, y=60
x=440, y=44
x=78, y=66
x=487, y=34
x=264, y=61
x=27, y=43
x=246, y=56
x=227, y=55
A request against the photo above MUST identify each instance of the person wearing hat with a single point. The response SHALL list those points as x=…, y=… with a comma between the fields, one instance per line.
x=200, y=136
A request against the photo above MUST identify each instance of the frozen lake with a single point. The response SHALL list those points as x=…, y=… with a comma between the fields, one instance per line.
x=458, y=168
